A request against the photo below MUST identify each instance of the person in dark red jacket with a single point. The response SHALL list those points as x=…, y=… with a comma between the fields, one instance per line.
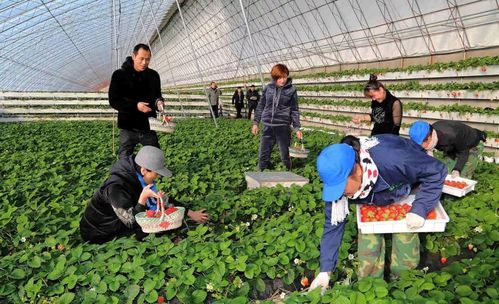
x=135, y=92
x=130, y=189
x=386, y=109
x=381, y=170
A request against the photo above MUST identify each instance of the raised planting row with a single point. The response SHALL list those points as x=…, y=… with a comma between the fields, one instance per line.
x=484, y=68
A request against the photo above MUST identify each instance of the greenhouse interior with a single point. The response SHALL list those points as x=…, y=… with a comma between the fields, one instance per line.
x=251, y=151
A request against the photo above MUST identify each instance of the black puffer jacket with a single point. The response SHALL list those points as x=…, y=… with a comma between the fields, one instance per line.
x=456, y=139
x=129, y=87
x=119, y=195
x=278, y=106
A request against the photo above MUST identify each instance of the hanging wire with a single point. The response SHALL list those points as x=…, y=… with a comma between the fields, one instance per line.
x=166, y=57
x=196, y=61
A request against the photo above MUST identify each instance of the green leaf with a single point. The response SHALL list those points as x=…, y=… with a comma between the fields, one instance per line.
x=365, y=285
x=131, y=292
x=149, y=285
x=427, y=286
x=198, y=296
x=35, y=262
x=357, y=298
x=464, y=290
x=137, y=273
x=260, y=285
x=101, y=288
x=492, y=292
x=18, y=274
x=380, y=291
x=66, y=298
x=152, y=296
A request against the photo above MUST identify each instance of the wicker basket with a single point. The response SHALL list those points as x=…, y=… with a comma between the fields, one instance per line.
x=153, y=225
x=161, y=124
x=298, y=151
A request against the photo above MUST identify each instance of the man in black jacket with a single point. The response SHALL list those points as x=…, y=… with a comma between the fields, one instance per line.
x=135, y=91
x=459, y=142
x=130, y=189
x=238, y=101
x=253, y=97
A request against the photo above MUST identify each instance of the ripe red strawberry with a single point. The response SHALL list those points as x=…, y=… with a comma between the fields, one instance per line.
x=443, y=260
x=161, y=299
x=170, y=210
x=150, y=213
x=304, y=282
x=164, y=224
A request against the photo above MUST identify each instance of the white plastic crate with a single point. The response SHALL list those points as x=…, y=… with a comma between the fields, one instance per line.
x=456, y=191
x=436, y=225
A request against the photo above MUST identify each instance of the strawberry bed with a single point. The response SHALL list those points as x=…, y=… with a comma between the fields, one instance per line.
x=260, y=244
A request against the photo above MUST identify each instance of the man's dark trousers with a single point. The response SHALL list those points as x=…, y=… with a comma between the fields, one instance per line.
x=131, y=138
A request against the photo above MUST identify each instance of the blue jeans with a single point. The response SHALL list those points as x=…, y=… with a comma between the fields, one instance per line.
x=271, y=135
x=131, y=138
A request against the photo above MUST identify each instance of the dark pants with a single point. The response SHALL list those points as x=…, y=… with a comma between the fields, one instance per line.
x=129, y=139
x=238, y=109
x=271, y=135
x=251, y=108
x=215, y=110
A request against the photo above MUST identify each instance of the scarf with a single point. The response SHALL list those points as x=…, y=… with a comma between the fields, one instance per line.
x=151, y=202
x=339, y=208
x=433, y=143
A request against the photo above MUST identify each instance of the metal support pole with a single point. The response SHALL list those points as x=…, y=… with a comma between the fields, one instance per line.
x=252, y=44
x=166, y=57
x=196, y=61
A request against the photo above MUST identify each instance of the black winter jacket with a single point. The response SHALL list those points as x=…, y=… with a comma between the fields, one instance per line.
x=278, y=106
x=129, y=87
x=238, y=99
x=253, y=97
x=456, y=139
x=111, y=211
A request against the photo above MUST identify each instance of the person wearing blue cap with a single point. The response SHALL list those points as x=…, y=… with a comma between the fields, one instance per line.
x=386, y=109
x=379, y=170
x=460, y=143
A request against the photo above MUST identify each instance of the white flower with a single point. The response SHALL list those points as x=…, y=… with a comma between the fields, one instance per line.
x=283, y=295
x=297, y=261
x=290, y=208
x=254, y=217
x=425, y=269
x=478, y=229
x=351, y=257
x=92, y=289
x=23, y=239
x=209, y=287
x=247, y=224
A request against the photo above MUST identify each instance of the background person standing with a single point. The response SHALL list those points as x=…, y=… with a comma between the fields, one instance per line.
x=213, y=93
x=135, y=91
x=253, y=97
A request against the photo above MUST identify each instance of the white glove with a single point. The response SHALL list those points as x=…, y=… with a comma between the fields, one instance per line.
x=321, y=280
x=454, y=173
x=414, y=221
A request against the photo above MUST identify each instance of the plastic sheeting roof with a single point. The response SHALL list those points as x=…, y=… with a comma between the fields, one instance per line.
x=74, y=45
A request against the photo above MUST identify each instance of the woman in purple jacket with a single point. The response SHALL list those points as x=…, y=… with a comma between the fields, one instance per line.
x=379, y=170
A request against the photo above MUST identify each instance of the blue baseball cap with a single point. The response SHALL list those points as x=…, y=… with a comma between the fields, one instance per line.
x=335, y=163
x=418, y=131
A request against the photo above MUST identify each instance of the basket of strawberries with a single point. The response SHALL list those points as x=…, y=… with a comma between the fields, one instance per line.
x=162, y=123
x=161, y=219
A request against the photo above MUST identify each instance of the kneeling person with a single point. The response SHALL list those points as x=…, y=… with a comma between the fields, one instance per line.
x=130, y=189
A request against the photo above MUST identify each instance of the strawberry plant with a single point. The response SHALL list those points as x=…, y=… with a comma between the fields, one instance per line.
x=258, y=242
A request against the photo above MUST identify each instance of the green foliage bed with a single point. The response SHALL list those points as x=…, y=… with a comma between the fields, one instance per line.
x=259, y=244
